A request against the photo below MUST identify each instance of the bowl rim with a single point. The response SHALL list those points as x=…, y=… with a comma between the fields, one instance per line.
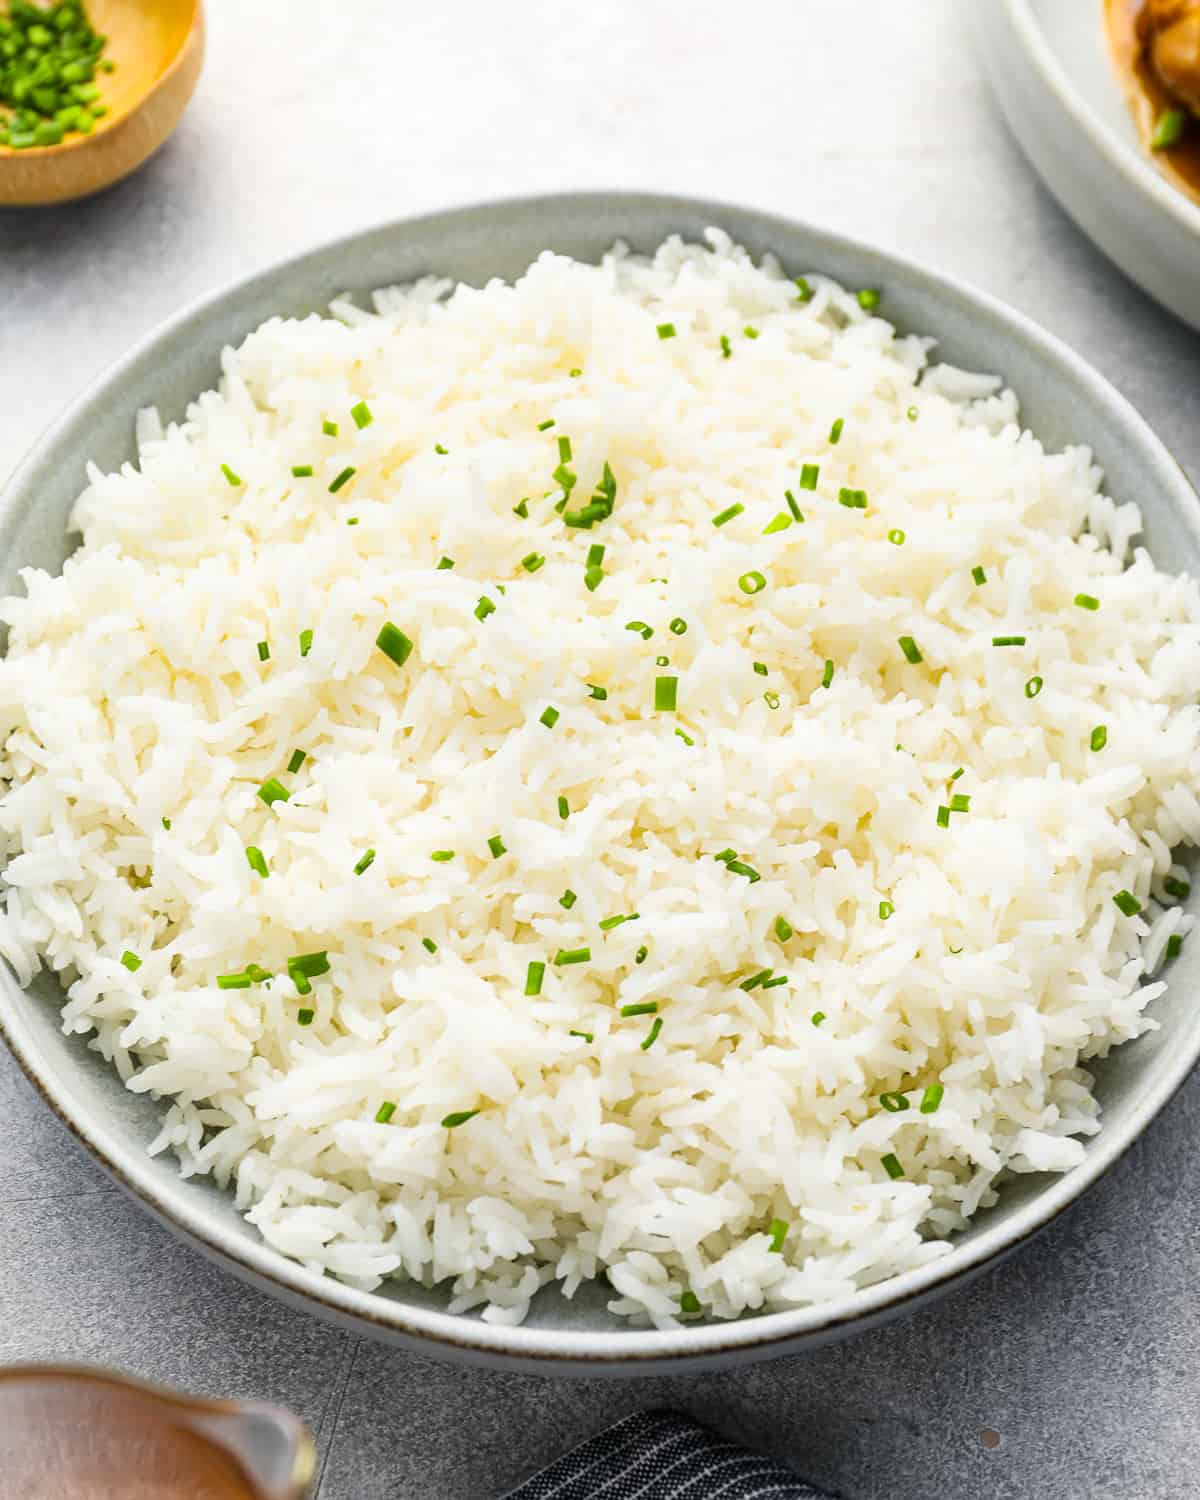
x=1139, y=174
x=632, y=1351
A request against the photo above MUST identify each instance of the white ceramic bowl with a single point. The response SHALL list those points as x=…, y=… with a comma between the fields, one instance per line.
x=1063, y=399
x=1048, y=63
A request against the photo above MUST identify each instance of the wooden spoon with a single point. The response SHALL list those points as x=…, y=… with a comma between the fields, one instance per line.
x=158, y=47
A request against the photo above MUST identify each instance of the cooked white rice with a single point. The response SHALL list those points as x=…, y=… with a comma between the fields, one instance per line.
x=140, y=723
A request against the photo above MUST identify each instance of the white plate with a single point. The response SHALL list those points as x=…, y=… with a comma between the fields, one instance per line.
x=1049, y=65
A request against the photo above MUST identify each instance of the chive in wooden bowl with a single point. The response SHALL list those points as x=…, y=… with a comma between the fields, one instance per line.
x=90, y=113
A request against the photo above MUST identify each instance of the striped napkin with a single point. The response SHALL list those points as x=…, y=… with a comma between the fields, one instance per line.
x=661, y=1455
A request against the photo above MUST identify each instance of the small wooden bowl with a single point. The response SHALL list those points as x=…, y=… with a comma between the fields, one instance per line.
x=158, y=47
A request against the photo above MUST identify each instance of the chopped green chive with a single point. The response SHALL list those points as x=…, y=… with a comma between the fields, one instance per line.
x=459, y=1117
x=365, y=862
x=394, y=644
x=304, y=1016
x=726, y=347
x=835, y=432
x=568, y=899
x=484, y=608
x=793, y=507
x=689, y=1303
x=234, y=981
x=868, y=299
x=760, y=668
x=686, y=738
x=131, y=961
x=912, y=414
x=534, y=975
x=771, y=699
x=306, y=640
x=778, y=1231
x=592, y=579
x=678, y=626
x=752, y=583
x=1127, y=903
x=1008, y=640
x=960, y=802
x=429, y=945
x=496, y=845
x=522, y=510
x=445, y=564
x=1099, y=737
x=803, y=290
x=257, y=860
x=564, y=808
x=564, y=450
x=233, y=479
x=894, y=1103
x=1087, y=601
x=297, y=759
x=550, y=717
x=780, y=522
x=891, y=1165
x=911, y=650
x=750, y=331
x=311, y=965
x=639, y=627
x=586, y=1035
x=728, y=514
x=642, y=1008
x=330, y=429
x=385, y=1112
x=665, y=694
x=1180, y=890
x=1033, y=687
x=641, y=955
x=783, y=929
x=896, y=537
x=886, y=909
x=809, y=475
x=438, y=448
x=943, y=817
x=302, y=471
x=597, y=692
x=666, y=330
x=1168, y=129
x=954, y=775
x=609, y=923
x=546, y=425
x=264, y=651
x=362, y=415
x=827, y=675
x=818, y=1016
x=739, y=867
x=652, y=1034
x=343, y=479
x=852, y=499
x=273, y=791
x=595, y=554
x=1174, y=945
x=931, y=1098
x=442, y=856
x=979, y=575
x=572, y=955
x=166, y=823
x=755, y=980
x=532, y=561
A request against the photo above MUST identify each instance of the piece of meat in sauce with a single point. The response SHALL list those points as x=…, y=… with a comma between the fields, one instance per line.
x=1169, y=30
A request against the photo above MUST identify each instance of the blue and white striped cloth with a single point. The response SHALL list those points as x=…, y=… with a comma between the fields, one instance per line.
x=660, y=1455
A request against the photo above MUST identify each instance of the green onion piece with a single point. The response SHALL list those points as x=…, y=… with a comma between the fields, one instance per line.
x=954, y=775
x=752, y=583
x=564, y=450
x=1174, y=946
x=852, y=499
x=586, y=1035
x=778, y=1231
x=827, y=675
x=568, y=899
x=595, y=554
x=394, y=644
x=835, y=432
x=739, y=867
x=546, y=425
x=911, y=649
x=728, y=514
x=891, y=1165
x=640, y=956
x=442, y=856
x=166, y=823
x=303, y=987
x=532, y=562
x=725, y=856
x=726, y=347
x=459, y=1117
x=931, y=1098
x=343, y=479
x=642, y=1008
x=868, y=299
x=1179, y=889
x=600, y=693
x=592, y=579
x=912, y=413
x=978, y=575
x=665, y=694
x=257, y=861
x=311, y=965
x=1127, y=903
x=640, y=628
x=304, y=1016
x=385, y=1112
x=496, y=845
x=234, y=981
x=780, y=522
x=760, y=667
x=896, y=537
x=522, y=510
x=960, y=802
x=894, y=1102
x=666, y=330
x=943, y=817
x=302, y=471
x=484, y=608
x=438, y=448
x=771, y=699
x=1008, y=640
x=1099, y=737
x=131, y=961
x=534, y=975
x=264, y=651
x=361, y=413
x=1087, y=601
x=797, y=513
x=783, y=929
x=445, y=564
x=678, y=626
x=550, y=717
x=652, y=1034
x=233, y=479
x=306, y=640
x=750, y=331
x=365, y=862
x=330, y=429
x=273, y=791
x=809, y=475
x=429, y=945
x=803, y=290
x=297, y=759
x=686, y=738
x=572, y=955
x=886, y=909
x=1033, y=687
x=689, y=1303
x=1168, y=129
x=564, y=808
x=818, y=1017
x=755, y=980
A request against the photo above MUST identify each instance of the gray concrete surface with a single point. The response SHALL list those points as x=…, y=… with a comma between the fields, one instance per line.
x=1083, y=1354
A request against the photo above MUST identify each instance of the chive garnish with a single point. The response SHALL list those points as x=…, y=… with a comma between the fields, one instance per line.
x=365, y=862
x=835, y=432
x=750, y=331
x=438, y=448
x=302, y=471
x=960, y=802
x=532, y=562
x=429, y=945
x=752, y=583
x=534, y=975
x=803, y=290
x=550, y=717
x=257, y=861
x=827, y=675
x=1180, y=890
x=1099, y=737
x=484, y=608
x=886, y=909
x=297, y=759
x=385, y=1112
x=783, y=929
x=818, y=1016
x=546, y=425
x=1127, y=903
x=978, y=575
x=568, y=899
x=233, y=478
x=686, y=738
x=264, y=651
x=1174, y=945
x=166, y=823
x=306, y=640
x=896, y=537
x=894, y=1102
x=755, y=980
x=330, y=429
x=772, y=984
x=311, y=965
x=779, y=522
x=394, y=644
x=771, y=699
x=1033, y=687
x=234, y=981
x=442, y=856
x=666, y=330
x=726, y=347
x=1008, y=640
x=599, y=693
x=445, y=564
x=678, y=626
x=608, y=923
x=564, y=450
x=304, y=1016
x=728, y=514
x=778, y=1231
x=642, y=1008
x=852, y=499
x=522, y=509
x=665, y=694
x=911, y=650
x=362, y=415
x=1087, y=601
x=459, y=1117
x=943, y=817
x=739, y=867
x=573, y=956
x=496, y=845
x=931, y=1098
x=564, y=808
x=640, y=956
x=1168, y=129
x=131, y=961
x=343, y=479
x=797, y=513
x=273, y=791
x=652, y=1034
x=809, y=475
x=760, y=667
x=891, y=1165
x=954, y=775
